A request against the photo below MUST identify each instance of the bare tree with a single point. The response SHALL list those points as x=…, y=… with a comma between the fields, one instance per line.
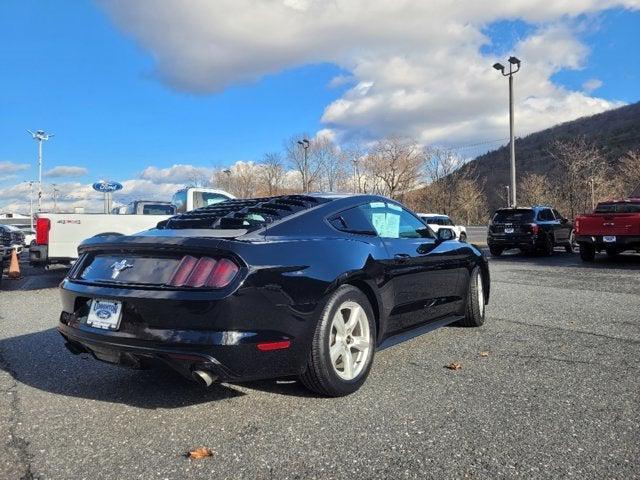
x=442, y=172
x=331, y=161
x=578, y=163
x=197, y=178
x=470, y=202
x=273, y=173
x=628, y=174
x=309, y=165
x=535, y=189
x=395, y=166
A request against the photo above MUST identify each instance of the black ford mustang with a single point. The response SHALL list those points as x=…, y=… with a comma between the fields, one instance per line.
x=309, y=286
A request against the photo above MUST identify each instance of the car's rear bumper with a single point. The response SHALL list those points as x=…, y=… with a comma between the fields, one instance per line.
x=226, y=362
x=515, y=241
x=226, y=337
x=622, y=242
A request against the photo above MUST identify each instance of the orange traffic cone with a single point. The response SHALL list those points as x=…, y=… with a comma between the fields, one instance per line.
x=14, y=266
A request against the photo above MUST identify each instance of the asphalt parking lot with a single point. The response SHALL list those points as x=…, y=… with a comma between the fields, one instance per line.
x=557, y=396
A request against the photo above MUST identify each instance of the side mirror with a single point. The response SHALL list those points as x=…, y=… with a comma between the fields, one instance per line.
x=445, y=234
x=564, y=220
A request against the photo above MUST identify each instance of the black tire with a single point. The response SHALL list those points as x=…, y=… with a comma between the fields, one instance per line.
x=587, y=252
x=495, y=251
x=612, y=252
x=547, y=248
x=569, y=247
x=320, y=375
x=463, y=237
x=474, y=312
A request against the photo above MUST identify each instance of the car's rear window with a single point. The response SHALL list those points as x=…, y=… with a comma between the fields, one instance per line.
x=618, y=208
x=513, y=216
x=158, y=210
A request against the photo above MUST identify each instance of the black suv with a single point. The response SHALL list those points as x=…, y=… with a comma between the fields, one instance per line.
x=539, y=228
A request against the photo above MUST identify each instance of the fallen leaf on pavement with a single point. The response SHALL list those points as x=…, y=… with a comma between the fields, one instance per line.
x=198, y=453
x=485, y=354
x=454, y=366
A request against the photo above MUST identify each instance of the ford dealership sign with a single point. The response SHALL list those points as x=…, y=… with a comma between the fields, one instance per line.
x=107, y=187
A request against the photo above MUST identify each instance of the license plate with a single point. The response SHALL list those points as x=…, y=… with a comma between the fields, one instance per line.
x=508, y=230
x=609, y=238
x=105, y=314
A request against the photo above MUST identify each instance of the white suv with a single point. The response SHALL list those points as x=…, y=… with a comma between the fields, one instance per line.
x=436, y=221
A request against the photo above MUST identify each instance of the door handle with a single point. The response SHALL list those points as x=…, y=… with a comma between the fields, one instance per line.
x=402, y=257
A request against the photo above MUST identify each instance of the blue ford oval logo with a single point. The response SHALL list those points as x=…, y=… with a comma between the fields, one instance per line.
x=103, y=314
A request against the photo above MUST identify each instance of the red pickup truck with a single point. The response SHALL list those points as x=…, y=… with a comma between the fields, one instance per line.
x=614, y=227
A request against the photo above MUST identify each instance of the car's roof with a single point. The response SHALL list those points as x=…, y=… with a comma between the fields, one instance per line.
x=254, y=214
x=433, y=215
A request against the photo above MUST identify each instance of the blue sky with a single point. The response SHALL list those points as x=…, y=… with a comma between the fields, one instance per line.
x=90, y=74
x=72, y=72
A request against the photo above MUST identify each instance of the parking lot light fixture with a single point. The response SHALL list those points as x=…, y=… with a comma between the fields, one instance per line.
x=40, y=136
x=304, y=143
x=514, y=67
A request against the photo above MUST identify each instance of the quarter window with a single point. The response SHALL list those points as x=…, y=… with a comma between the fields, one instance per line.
x=545, y=215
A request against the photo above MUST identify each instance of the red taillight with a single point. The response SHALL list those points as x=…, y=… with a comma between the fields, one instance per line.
x=576, y=226
x=43, y=225
x=203, y=272
x=534, y=228
x=268, y=346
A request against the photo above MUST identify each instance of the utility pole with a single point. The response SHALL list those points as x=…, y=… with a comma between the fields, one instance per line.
x=304, y=143
x=514, y=66
x=508, y=196
x=40, y=136
x=593, y=194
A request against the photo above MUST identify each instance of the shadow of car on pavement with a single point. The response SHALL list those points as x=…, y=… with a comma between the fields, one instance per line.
x=41, y=361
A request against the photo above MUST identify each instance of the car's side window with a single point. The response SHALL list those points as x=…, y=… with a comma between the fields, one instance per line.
x=354, y=220
x=392, y=221
x=545, y=215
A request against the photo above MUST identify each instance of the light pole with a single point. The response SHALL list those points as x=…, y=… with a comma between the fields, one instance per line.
x=508, y=196
x=304, y=143
x=514, y=66
x=227, y=173
x=356, y=177
x=593, y=194
x=40, y=136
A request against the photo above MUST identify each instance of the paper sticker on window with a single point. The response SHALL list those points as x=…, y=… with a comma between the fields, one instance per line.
x=379, y=223
x=393, y=225
x=386, y=224
x=376, y=204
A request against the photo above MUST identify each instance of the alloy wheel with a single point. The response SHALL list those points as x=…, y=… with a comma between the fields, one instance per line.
x=349, y=340
x=480, y=289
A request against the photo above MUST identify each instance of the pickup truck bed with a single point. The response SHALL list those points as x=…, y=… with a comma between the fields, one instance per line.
x=59, y=234
x=614, y=227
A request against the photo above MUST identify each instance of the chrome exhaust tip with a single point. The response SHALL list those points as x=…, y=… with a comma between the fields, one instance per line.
x=203, y=378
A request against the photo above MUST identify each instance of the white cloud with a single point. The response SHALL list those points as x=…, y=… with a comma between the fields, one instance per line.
x=591, y=85
x=179, y=173
x=153, y=184
x=66, y=171
x=416, y=66
x=9, y=168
